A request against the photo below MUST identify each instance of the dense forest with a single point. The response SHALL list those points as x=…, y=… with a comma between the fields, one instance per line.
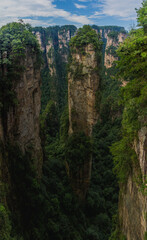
x=41, y=204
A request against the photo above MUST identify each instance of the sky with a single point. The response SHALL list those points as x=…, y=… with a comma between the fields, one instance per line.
x=77, y=12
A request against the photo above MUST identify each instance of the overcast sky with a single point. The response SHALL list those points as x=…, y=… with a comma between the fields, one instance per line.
x=78, y=12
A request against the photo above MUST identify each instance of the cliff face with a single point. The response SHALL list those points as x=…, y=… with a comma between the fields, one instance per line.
x=54, y=43
x=22, y=119
x=112, y=43
x=39, y=38
x=82, y=87
x=55, y=39
x=111, y=37
x=50, y=56
x=83, y=82
x=20, y=144
x=133, y=200
x=64, y=38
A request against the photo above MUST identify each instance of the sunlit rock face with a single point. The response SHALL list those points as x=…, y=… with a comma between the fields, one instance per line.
x=82, y=92
x=39, y=38
x=109, y=57
x=133, y=201
x=83, y=82
x=50, y=56
x=64, y=38
x=50, y=45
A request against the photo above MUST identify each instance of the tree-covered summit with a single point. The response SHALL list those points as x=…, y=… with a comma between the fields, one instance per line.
x=15, y=37
x=85, y=35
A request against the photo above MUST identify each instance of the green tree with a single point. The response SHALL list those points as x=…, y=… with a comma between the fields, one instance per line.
x=85, y=36
x=142, y=16
x=132, y=67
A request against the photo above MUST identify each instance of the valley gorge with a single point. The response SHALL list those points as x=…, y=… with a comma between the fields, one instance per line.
x=72, y=134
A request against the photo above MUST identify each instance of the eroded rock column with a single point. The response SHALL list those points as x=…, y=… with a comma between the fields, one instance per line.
x=83, y=83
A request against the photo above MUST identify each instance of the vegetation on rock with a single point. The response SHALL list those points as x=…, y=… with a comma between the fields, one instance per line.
x=85, y=36
x=47, y=208
x=15, y=40
x=132, y=67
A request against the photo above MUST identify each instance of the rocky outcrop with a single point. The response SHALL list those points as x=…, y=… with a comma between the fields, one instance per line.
x=50, y=56
x=133, y=198
x=83, y=82
x=39, y=38
x=59, y=39
x=64, y=35
x=112, y=42
x=64, y=38
x=22, y=120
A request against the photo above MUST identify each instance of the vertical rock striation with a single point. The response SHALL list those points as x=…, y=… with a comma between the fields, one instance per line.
x=20, y=99
x=111, y=46
x=50, y=56
x=82, y=87
x=133, y=200
x=53, y=40
x=83, y=83
x=23, y=125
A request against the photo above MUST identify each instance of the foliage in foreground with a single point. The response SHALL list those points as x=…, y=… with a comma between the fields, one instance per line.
x=133, y=68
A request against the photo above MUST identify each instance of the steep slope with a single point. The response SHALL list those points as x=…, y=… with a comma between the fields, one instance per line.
x=54, y=42
x=130, y=153
x=83, y=83
x=20, y=119
x=20, y=100
x=112, y=36
x=38, y=202
x=133, y=199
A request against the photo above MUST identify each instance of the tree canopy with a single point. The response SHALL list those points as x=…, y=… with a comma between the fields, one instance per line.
x=132, y=68
x=85, y=36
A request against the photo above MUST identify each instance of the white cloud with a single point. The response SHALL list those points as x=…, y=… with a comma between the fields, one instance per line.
x=124, y=9
x=80, y=6
x=11, y=10
x=35, y=22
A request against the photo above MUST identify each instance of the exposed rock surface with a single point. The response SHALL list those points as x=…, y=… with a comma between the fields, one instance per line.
x=64, y=38
x=23, y=118
x=50, y=55
x=133, y=202
x=49, y=44
x=39, y=38
x=109, y=58
x=82, y=92
x=83, y=82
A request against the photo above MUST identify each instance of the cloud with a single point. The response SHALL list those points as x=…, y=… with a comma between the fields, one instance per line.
x=80, y=6
x=124, y=9
x=35, y=22
x=14, y=9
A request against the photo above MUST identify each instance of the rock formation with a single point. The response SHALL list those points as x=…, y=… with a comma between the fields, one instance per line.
x=133, y=198
x=50, y=56
x=56, y=41
x=39, y=38
x=82, y=87
x=83, y=83
x=110, y=57
x=20, y=124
